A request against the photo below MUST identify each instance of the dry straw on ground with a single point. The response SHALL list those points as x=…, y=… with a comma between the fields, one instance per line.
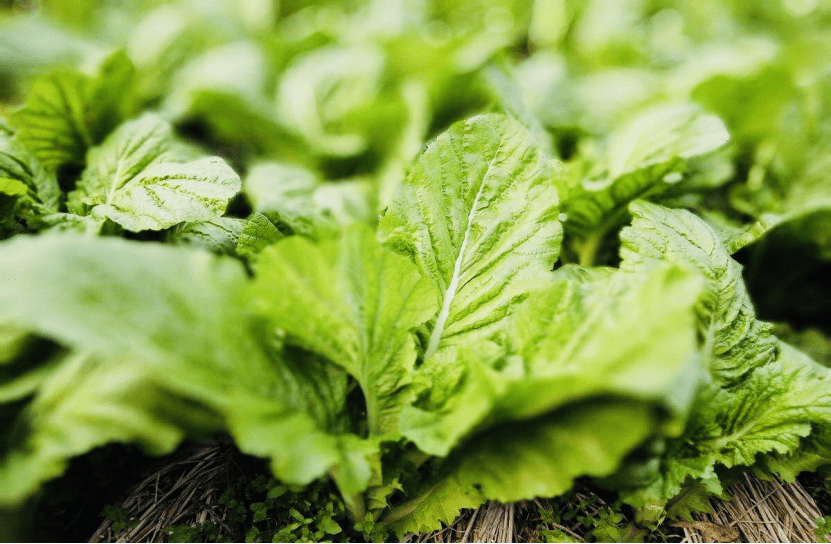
x=185, y=491
x=759, y=512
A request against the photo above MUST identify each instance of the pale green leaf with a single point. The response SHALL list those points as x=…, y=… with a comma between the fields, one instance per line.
x=166, y=194
x=133, y=180
x=129, y=150
x=320, y=90
x=478, y=215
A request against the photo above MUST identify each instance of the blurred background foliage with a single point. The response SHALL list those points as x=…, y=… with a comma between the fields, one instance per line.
x=343, y=94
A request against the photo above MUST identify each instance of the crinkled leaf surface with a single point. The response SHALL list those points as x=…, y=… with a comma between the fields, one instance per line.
x=478, y=215
x=576, y=340
x=361, y=319
x=736, y=341
x=132, y=180
x=220, y=235
x=257, y=233
x=765, y=398
x=130, y=149
x=769, y=412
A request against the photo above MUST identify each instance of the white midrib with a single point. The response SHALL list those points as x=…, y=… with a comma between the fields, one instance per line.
x=114, y=184
x=438, y=330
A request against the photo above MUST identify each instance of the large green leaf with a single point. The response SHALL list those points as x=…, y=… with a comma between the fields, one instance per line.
x=131, y=179
x=86, y=403
x=182, y=319
x=354, y=302
x=765, y=398
x=525, y=460
x=478, y=215
x=574, y=341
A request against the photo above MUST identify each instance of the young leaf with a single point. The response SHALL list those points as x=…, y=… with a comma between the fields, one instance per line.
x=478, y=215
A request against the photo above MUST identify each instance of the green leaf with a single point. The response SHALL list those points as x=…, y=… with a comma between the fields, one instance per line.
x=575, y=341
x=628, y=334
x=22, y=174
x=323, y=90
x=645, y=155
x=736, y=341
x=286, y=193
x=360, y=319
x=773, y=409
x=87, y=403
x=220, y=235
x=525, y=460
x=12, y=187
x=171, y=193
x=68, y=112
x=182, y=319
x=478, y=215
x=129, y=150
x=258, y=232
x=132, y=180
x=770, y=412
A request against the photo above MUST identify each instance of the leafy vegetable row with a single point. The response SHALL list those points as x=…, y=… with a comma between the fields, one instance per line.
x=440, y=359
